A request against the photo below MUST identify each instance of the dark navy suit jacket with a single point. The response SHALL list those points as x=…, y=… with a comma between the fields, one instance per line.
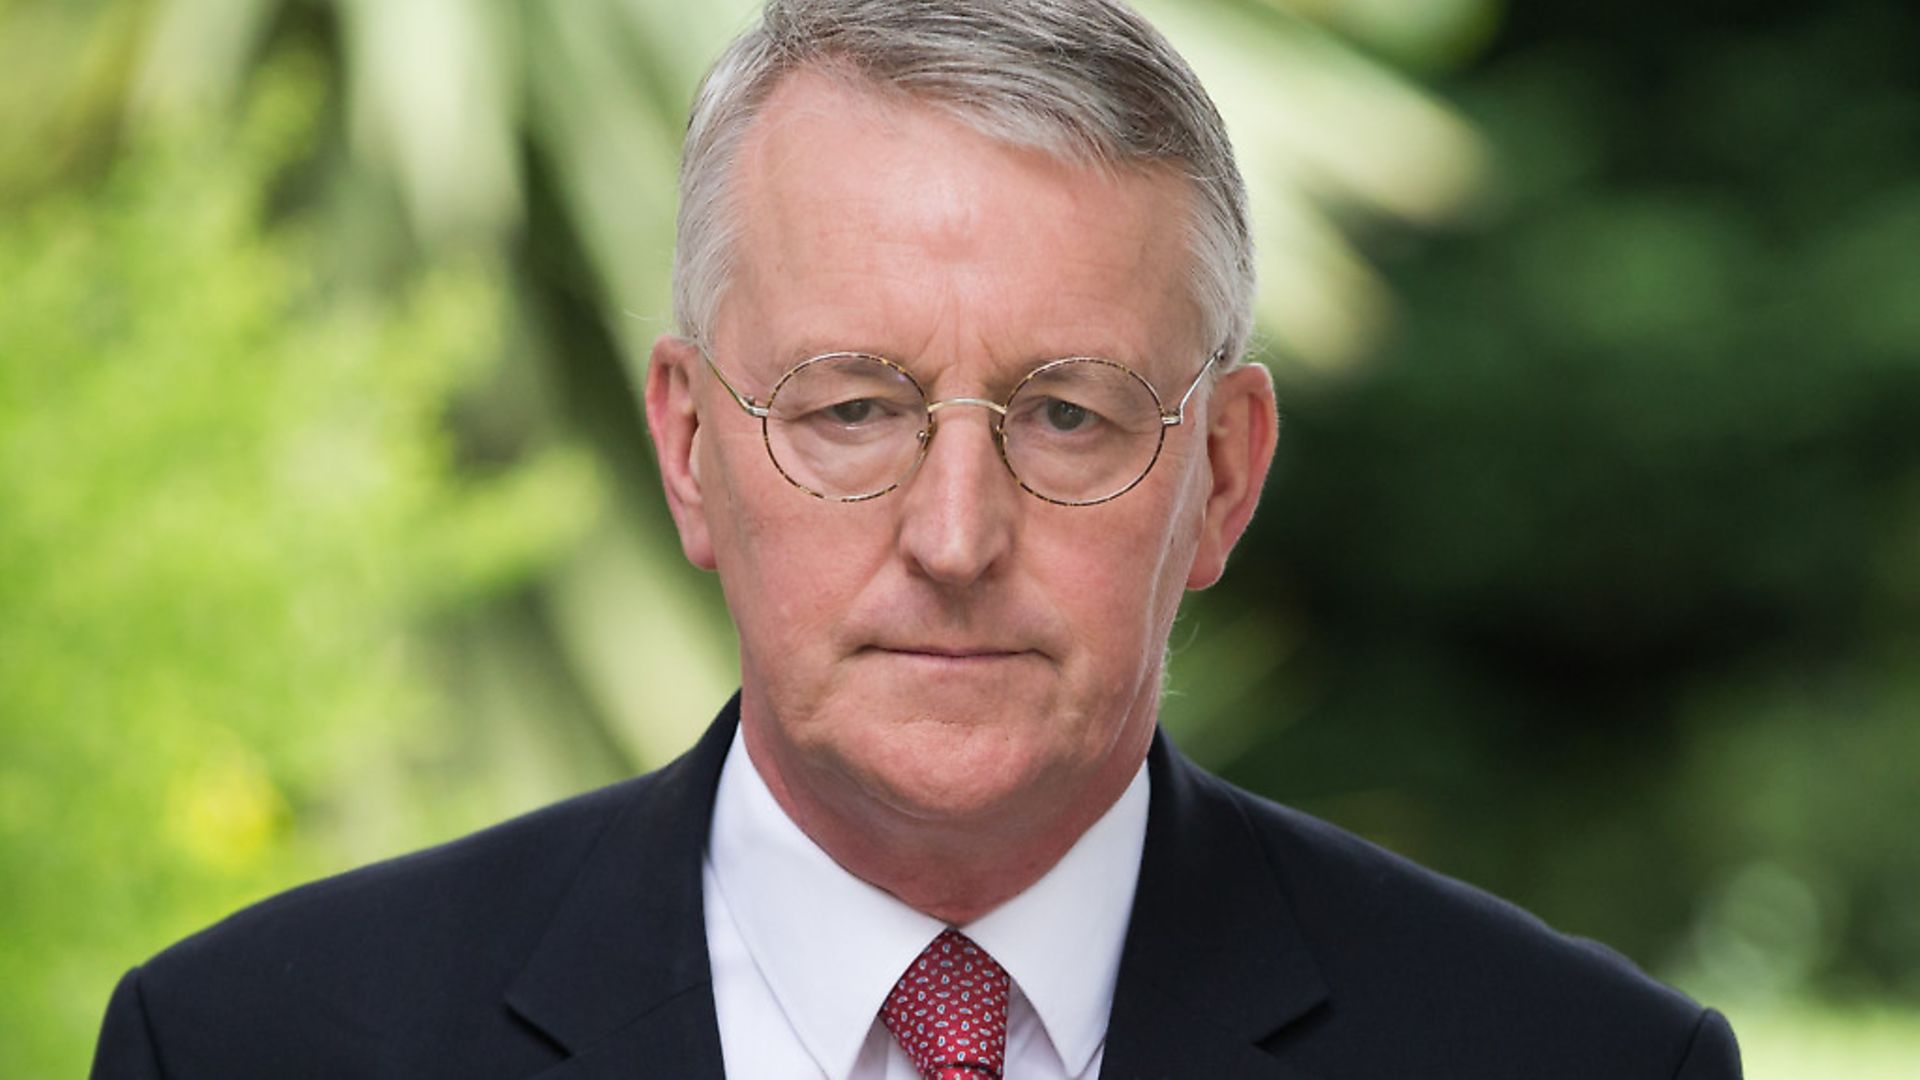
x=570, y=944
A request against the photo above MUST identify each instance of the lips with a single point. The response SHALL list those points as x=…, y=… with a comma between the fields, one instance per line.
x=952, y=652
x=948, y=652
x=932, y=637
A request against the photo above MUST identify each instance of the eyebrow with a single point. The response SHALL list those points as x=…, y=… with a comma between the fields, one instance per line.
x=1013, y=370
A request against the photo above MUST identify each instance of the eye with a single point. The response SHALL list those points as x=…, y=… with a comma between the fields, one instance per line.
x=850, y=417
x=855, y=411
x=1065, y=415
x=1057, y=417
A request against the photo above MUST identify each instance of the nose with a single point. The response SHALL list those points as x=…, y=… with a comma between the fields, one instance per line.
x=960, y=506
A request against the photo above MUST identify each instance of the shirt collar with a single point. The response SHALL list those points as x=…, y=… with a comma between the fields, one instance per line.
x=800, y=913
x=1061, y=939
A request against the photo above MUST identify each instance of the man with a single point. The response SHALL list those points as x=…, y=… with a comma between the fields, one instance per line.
x=958, y=416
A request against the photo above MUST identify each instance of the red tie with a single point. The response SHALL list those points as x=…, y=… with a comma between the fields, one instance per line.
x=949, y=1011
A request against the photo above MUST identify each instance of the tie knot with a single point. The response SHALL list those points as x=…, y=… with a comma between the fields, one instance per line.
x=949, y=1011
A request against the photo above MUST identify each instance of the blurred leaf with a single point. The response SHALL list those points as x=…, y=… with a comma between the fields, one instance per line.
x=228, y=503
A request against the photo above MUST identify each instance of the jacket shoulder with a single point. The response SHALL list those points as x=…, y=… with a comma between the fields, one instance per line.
x=1433, y=970
x=503, y=874
x=388, y=963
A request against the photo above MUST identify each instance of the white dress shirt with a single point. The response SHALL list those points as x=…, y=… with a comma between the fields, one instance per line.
x=804, y=953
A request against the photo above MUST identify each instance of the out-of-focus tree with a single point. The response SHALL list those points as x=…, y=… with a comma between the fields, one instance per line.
x=1603, y=580
x=228, y=510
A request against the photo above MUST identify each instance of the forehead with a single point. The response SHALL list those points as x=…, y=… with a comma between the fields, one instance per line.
x=877, y=222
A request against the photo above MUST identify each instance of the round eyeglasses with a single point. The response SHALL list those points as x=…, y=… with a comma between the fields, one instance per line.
x=848, y=426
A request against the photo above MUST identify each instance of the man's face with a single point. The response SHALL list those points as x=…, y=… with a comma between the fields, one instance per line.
x=956, y=651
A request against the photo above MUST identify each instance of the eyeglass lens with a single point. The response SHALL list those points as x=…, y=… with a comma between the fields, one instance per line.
x=1075, y=431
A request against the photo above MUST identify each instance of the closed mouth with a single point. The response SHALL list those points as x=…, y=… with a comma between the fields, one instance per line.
x=950, y=652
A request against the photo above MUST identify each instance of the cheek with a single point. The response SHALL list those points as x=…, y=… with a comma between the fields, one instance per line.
x=1153, y=558
x=789, y=564
x=1120, y=582
x=789, y=589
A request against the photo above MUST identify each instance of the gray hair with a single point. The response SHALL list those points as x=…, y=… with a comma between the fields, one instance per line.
x=1088, y=81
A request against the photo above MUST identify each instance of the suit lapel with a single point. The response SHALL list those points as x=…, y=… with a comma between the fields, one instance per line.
x=1214, y=962
x=621, y=979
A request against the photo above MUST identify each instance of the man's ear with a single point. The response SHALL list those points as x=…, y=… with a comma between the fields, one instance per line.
x=1242, y=430
x=674, y=422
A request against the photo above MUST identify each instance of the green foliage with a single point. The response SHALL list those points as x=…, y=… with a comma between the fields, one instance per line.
x=1601, y=583
x=228, y=502
x=1797, y=1040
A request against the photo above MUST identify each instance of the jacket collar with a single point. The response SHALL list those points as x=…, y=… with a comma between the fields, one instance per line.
x=1214, y=960
x=621, y=979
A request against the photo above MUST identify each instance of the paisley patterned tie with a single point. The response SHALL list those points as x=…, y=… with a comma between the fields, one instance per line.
x=949, y=1011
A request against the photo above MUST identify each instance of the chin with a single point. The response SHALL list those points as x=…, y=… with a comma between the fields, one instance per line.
x=933, y=767
x=955, y=800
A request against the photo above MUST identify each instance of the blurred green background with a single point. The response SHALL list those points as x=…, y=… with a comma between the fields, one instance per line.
x=1590, y=571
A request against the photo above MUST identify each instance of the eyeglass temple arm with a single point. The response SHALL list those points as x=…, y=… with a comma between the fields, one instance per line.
x=1179, y=413
x=753, y=408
